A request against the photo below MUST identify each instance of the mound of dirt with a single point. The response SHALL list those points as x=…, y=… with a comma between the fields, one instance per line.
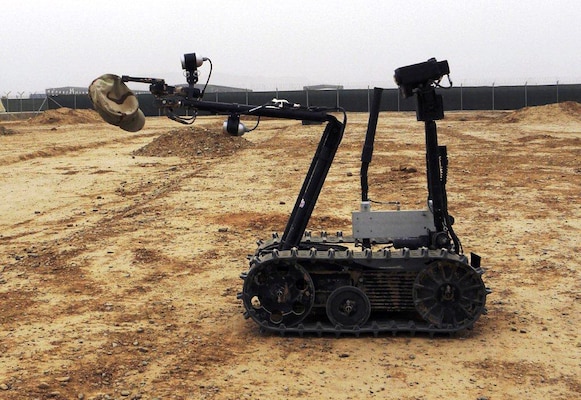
x=193, y=142
x=5, y=131
x=67, y=116
x=569, y=111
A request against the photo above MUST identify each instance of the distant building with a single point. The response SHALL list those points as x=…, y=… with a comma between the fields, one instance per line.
x=323, y=87
x=222, y=89
x=66, y=90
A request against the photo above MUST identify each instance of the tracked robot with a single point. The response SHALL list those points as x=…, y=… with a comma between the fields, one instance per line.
x=399, y=270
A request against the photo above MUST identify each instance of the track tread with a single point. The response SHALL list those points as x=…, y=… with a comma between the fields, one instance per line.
x=308, y=253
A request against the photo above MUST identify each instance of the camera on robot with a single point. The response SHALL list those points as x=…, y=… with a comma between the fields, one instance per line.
x=421, y=75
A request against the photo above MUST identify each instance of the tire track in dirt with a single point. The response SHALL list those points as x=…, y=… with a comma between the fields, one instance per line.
x=49, y=264
x=61, y=150
x=53, y=261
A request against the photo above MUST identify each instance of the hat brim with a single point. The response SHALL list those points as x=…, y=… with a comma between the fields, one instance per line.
x=134, y=122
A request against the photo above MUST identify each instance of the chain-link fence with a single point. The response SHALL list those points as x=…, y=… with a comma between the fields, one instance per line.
x=354, y=100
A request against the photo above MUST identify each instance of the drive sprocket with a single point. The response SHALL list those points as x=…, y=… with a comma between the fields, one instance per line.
x=449, y=294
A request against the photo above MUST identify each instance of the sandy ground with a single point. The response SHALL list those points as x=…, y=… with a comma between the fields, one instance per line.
x=121, y=253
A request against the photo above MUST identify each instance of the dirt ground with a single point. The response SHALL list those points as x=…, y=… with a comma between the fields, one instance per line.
x=121, y=253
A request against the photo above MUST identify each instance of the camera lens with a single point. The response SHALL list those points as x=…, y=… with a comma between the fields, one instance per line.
x=189, y=62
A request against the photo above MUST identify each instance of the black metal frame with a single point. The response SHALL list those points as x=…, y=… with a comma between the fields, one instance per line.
x=170, y=97
x=429, y=108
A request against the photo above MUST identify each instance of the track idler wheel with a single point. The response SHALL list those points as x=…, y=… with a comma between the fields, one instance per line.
x=348, y=307
x=450, y=295
x=278, y=294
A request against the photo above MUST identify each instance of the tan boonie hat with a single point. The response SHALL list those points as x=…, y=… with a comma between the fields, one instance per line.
x=116, y=103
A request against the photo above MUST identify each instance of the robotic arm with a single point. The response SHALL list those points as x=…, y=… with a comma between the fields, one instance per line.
x=112, y=101
x=118, y=105
x=422, y=79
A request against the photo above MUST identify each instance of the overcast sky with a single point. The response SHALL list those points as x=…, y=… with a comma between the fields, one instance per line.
x=263, y=45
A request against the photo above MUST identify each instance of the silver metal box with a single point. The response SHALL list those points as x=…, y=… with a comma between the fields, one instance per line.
x=392, y=224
